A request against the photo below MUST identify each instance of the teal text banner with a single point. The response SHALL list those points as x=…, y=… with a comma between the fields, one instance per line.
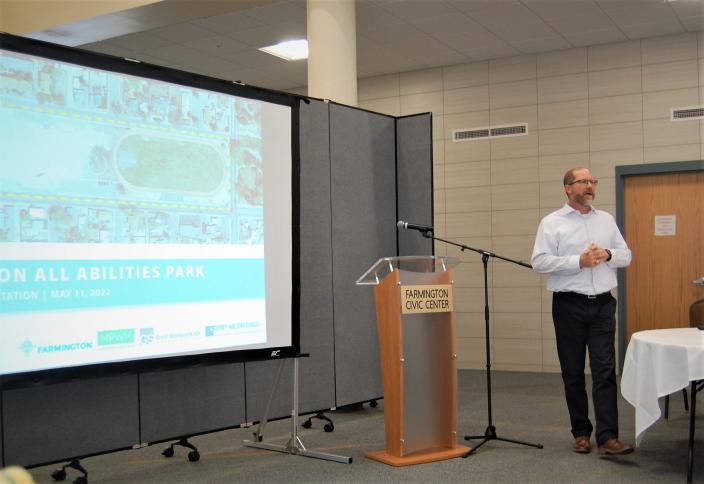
x=48, y=285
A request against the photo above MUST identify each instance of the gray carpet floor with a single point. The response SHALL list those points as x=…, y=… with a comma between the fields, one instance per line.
x=526, y=406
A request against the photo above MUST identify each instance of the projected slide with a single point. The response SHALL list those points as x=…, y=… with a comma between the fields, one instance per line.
x=138, y=218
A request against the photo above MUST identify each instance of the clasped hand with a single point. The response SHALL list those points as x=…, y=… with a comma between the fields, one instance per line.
x=592, y=256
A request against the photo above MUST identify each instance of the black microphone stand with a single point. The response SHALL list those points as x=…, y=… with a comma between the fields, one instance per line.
x=490, y=432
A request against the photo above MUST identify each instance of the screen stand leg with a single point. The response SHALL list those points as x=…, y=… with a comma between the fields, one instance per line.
x=294, y=445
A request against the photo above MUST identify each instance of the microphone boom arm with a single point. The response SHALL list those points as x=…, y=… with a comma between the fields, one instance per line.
x=484, y=253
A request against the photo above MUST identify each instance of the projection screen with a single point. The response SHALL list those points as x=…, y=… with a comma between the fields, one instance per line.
x=145, y=213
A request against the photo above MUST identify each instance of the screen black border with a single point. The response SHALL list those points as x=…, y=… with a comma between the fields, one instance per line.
x=142, y=69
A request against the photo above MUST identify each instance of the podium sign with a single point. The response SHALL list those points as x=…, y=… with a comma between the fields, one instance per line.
x=416, y=326
x=426, y=299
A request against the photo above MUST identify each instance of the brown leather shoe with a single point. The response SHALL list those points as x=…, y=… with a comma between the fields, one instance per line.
x=615, y=447
x=581, y=445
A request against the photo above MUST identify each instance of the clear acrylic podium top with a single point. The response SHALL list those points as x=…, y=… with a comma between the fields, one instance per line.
x=411, y=263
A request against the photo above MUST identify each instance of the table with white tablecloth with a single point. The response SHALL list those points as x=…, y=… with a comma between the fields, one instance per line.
x=658, y=363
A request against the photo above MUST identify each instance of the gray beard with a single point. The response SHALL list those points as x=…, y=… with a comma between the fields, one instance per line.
x=583, y=201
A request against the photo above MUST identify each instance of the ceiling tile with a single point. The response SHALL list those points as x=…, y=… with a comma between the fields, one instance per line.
x=396, y=34
x=496, y=51
x=280, y=13
x=472, y=39
x=551, y=9
x=229, y=22
x=248, y=75
x=206, y=64
x=653, y=29
x=611, y=4
x=375, y=59
x=369, y=50
x=107, y=47
x=477, y=5
x=217, y=45
x=582, y=22
x=256, y=58
x=268, y=35
x=171, y=52
x=182, y=32
x=545, y=44
x=687, y=9
x=595, y=37
x=514, y=23
x=456, y=23
x=175, y=11
x=140, y=41
x=638, y=12
x=90, y=30
x=372, y=19
x=443, y=58
x=413, y=10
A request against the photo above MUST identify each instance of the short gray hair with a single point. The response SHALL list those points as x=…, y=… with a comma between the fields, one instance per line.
x=569, y=176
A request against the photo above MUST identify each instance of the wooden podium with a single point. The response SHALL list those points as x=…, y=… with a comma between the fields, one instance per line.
x=416, y=323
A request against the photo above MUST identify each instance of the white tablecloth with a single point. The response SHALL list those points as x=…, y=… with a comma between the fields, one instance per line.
x=659, y=362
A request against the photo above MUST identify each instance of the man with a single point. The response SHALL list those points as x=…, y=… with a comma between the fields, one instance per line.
x=580, y=247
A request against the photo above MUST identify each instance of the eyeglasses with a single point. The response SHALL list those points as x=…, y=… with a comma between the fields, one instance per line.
x=584, y=181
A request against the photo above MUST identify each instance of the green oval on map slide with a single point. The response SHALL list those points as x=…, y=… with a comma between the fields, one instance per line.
x=163, y=163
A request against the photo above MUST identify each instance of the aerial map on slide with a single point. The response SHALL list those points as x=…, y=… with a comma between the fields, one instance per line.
x=96, y=157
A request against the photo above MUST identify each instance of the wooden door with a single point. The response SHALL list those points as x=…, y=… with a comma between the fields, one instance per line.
x=659, y=285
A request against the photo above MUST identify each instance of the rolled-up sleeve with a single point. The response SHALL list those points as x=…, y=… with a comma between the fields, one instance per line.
x=620, y=253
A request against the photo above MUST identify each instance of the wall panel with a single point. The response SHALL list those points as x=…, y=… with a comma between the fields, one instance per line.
x=363, y=188
x=414, y=175
x=46, y=423
x=189, y=401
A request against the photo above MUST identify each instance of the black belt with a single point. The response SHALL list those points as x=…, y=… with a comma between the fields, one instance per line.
x=583, y=296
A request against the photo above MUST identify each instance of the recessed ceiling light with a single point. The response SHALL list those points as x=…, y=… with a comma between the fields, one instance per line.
x=290, y=50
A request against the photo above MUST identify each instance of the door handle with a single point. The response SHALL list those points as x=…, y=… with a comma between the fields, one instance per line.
x=699, y=282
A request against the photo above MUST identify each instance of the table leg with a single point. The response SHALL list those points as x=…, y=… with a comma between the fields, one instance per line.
x=692, y=413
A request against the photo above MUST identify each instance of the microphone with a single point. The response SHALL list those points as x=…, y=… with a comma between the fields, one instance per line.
x=409, y=226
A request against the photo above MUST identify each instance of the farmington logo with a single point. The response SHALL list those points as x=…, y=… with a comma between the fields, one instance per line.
x=27, y=347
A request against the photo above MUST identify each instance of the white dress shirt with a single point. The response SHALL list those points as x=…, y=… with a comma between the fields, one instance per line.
x=563, y=235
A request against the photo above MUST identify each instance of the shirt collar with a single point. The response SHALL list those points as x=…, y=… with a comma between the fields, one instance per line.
x=568, y=209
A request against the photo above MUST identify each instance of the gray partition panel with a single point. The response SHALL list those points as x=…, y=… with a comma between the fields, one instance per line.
x=317, y=384
x=317, y=378
x=46, y=423
x=363, y=193
x=415, y=181
x=187, y=401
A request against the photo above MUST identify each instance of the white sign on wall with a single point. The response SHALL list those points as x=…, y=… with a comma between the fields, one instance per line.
x=665, y=225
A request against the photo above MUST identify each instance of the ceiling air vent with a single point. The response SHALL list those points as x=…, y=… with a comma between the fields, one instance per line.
x=490, y=132
x=692, y=112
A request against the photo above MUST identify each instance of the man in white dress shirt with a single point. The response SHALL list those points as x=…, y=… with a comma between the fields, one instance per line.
x=581, y=247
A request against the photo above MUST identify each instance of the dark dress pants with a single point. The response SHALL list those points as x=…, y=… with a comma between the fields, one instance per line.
x=580, y=324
